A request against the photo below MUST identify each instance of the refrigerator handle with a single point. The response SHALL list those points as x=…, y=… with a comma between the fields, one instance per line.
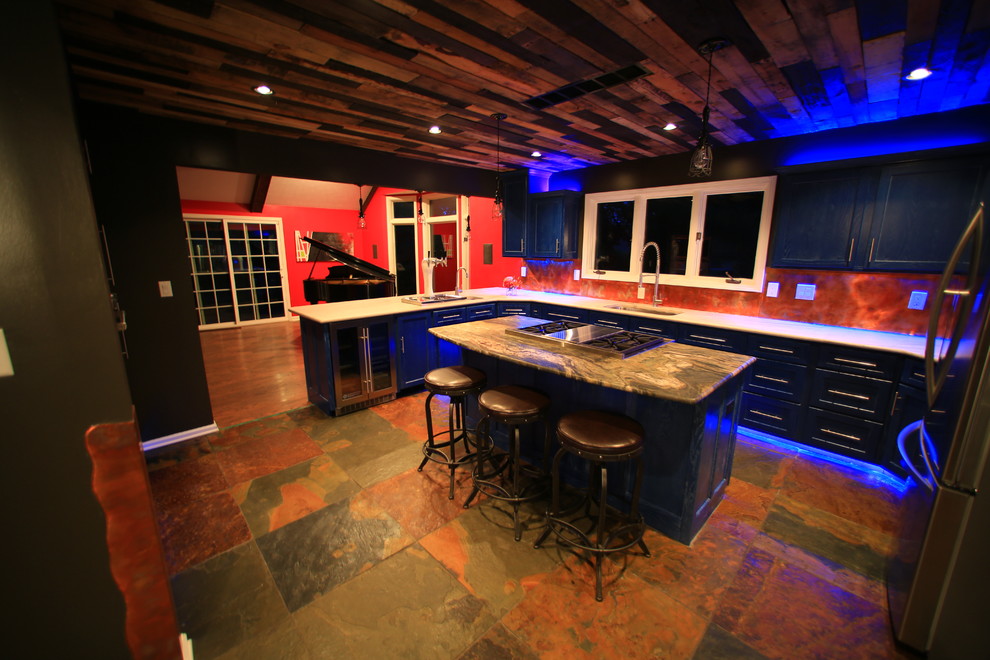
x=973, y=232
x=914, y=427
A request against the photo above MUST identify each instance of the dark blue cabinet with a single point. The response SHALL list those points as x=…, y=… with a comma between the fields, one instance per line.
x=514, y=309
x=904, y=217
x=553, y=224
x=515, y=189
x=608, y=319
x=415, y=348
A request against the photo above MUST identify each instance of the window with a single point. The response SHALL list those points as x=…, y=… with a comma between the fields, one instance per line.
x=711, y=235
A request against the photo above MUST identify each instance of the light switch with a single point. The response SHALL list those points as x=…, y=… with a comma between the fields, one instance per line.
x=773, y=289
x=917, y=300
x=165, y=288
x=805, y=292
x=6, y=366
x=577, y=274
x=522, y=271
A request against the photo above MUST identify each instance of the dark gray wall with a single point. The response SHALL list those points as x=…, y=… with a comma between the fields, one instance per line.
x=61, y=600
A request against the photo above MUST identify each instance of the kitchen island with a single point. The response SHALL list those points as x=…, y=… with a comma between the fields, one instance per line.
x=686, y=398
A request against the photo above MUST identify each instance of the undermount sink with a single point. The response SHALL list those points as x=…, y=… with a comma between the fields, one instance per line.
x=436, y=298
x=643, y=309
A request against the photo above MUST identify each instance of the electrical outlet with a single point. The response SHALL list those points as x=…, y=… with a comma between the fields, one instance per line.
x=522, y=271
x=577, y=274
x=917, y=300
x=773, y=289
x=805, y=292
x=165, y=288
x=641, y=292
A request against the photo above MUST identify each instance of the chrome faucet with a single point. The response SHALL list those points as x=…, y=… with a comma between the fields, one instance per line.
x=457, y=280
x=656, y=276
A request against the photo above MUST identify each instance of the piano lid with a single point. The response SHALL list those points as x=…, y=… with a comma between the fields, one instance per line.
x=365, y=267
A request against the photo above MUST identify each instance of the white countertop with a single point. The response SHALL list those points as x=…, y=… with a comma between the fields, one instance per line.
x=872, y=339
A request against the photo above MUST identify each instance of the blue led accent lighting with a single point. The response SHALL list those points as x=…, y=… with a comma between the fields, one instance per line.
x=871, y=473
x=563, y=181
x=843, y=150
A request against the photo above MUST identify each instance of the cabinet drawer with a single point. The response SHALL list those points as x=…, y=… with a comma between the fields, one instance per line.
x=448, y=316
x=842, y=434
x=913, y=372
x=781, y=348
x=723, y=340
x=477, y=312
x=554, y=313
x=608, y=319
x=654, y=327
x=513, y=309
x=781, y=418
x=780, y=380
x=860, y=361
x=853, y=395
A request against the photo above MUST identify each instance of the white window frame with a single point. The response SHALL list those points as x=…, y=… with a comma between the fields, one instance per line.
x=699, y=192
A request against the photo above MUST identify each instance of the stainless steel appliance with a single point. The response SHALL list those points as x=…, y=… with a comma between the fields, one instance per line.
x=938, y=580
x=597, y=339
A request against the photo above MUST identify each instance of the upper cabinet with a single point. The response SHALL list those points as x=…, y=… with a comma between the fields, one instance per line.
x=903, y=217
x=539, y=225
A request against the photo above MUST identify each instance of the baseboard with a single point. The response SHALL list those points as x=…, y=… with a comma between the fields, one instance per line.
x=181, y=436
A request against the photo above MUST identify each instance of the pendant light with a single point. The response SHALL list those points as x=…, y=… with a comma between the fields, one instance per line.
x=701, y=158
x=498, y=208
x=361, y=222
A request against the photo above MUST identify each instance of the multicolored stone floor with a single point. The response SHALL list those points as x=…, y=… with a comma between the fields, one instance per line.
x=301, y=536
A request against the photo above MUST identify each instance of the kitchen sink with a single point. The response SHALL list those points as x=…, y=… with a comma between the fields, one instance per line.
x=436, y=298
x=644, y=309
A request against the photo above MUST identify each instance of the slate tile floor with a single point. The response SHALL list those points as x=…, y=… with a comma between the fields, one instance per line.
x=301, y=536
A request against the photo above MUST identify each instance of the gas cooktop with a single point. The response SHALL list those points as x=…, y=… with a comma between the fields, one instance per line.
x=593, y=338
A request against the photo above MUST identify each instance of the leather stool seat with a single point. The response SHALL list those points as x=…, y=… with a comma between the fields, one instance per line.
x=505, y=477
x=456, y=382
x=602, y=438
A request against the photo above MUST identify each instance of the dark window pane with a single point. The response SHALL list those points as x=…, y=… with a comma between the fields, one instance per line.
x=403, y=209
x=614, y=236
x=227, y=315
x=445, y=206
x=732, y=229
x=668, y=224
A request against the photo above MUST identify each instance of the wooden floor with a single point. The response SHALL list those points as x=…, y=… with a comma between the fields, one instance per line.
x=254, y=371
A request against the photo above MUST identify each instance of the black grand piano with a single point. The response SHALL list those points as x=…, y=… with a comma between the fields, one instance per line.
x=351, y=279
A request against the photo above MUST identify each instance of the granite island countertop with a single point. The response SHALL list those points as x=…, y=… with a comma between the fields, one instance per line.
x=675, y=372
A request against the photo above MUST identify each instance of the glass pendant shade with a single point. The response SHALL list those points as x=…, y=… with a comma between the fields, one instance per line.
x=498, y=209
x=701, y=159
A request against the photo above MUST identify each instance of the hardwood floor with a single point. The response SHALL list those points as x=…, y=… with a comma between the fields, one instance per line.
x=254, y=371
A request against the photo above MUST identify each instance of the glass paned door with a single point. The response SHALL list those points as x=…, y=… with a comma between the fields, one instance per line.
x=238, y=270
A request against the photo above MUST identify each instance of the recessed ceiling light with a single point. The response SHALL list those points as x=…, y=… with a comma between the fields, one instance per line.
x=264, y=90
x=435, y=130
x=918, y=74
x=670, y=126
x=536, y=154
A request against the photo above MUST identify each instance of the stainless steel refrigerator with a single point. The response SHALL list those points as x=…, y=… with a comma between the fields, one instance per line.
x=938, y=580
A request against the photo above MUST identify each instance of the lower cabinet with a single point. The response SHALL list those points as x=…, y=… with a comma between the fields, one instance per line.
x=415, y=349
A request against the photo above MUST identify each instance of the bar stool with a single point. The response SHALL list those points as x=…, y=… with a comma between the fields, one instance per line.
x=508, y=479
x=456, y=382
x=599, y=437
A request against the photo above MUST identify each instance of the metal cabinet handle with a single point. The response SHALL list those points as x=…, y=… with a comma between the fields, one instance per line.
x=402, y=345
x=852, y=244
x=715, y=339
x=521, y=244
x=841, y=435
x=557, y=246
x=873, y=242
x=771, y=378
x=862, y=397
x=858, y=363
x=763, y=414
x=778, y=350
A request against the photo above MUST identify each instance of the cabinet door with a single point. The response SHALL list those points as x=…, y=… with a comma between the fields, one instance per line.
x=921, y=209
x=818, y=218
x=415, y=348
x=515, y=187
x=381, y=370
x=349, y=372
x=553, y=224
x=608, y=319
x=513, y=309
x=555, y=313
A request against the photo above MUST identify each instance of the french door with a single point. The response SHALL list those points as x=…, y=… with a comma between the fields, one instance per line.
x=238, y=269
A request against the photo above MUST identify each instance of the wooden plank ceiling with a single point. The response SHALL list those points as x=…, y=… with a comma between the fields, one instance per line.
x=584, y=82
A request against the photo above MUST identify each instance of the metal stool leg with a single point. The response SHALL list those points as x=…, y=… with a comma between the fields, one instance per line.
x=429, y=431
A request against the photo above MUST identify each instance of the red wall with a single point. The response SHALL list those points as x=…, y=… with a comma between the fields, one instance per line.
x=374, y=234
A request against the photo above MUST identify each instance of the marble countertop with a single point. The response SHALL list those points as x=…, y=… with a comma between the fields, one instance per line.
x=884, y=341
x=675, y=372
